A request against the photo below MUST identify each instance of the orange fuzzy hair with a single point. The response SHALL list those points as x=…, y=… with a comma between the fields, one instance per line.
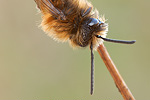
x=62, y=19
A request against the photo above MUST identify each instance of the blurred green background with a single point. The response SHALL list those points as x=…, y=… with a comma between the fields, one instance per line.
x=35, y=67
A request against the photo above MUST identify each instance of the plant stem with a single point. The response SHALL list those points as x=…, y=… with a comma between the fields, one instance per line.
x=121, y=85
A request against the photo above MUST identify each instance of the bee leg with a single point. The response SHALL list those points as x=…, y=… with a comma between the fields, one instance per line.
x=84, y=13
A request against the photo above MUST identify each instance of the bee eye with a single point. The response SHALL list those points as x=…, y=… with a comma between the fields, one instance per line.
x=94, y=22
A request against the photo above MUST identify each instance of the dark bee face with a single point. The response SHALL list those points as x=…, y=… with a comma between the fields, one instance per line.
x=89, y=28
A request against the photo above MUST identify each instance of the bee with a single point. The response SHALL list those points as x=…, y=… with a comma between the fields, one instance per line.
x=75, y=21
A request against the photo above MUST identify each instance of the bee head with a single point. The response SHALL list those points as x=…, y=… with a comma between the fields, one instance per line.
x=91, y=27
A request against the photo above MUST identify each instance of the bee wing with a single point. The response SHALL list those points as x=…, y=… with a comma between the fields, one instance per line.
x=46, y=6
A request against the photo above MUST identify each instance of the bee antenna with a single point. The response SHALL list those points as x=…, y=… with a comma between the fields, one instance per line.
x=92, y=69
x=116, y=41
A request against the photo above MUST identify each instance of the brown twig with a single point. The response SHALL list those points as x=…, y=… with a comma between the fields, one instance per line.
x=121, y=85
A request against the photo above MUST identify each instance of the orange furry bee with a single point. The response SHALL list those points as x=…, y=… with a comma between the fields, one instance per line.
x=75, y=21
